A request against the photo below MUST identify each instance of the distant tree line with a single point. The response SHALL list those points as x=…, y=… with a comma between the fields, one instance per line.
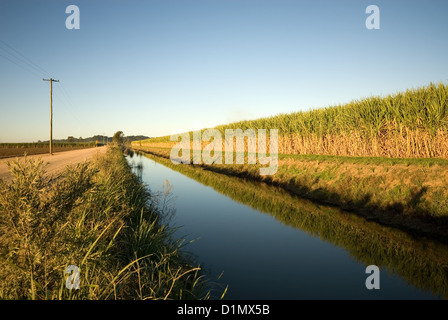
x=100, y=138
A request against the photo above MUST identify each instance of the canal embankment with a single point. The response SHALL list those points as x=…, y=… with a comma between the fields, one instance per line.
x=408, y=194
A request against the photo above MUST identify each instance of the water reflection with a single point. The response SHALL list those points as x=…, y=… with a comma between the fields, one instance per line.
x=421, y=263
x=137, y=163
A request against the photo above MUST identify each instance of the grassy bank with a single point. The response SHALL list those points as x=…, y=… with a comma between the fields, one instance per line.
x=410, y=194
x=98, y=217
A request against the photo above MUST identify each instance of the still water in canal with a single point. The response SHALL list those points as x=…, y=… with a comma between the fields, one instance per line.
x=264, y=243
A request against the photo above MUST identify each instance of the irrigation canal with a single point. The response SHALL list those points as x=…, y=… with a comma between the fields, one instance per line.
x=268, y=244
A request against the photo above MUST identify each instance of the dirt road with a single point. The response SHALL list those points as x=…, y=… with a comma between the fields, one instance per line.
x=57, y=162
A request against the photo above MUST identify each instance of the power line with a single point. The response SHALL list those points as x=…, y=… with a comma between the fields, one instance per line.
x=19, y=59
x=24, y=59
x=67, y=96
x=20, y=66
x=70, y=110
x=24, y=62
x=87, y=124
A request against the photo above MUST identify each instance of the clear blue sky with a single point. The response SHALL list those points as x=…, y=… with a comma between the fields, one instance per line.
x=165, y=66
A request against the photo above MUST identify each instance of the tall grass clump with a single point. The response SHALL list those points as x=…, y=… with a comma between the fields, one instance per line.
x=98, y=217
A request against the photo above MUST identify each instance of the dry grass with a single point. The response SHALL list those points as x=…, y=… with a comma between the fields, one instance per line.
x=97, y=216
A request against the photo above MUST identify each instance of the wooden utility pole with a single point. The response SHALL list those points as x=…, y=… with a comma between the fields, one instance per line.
x=51, y=112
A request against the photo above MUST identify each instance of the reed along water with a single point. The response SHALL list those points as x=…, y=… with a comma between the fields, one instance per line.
x=264, y=243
